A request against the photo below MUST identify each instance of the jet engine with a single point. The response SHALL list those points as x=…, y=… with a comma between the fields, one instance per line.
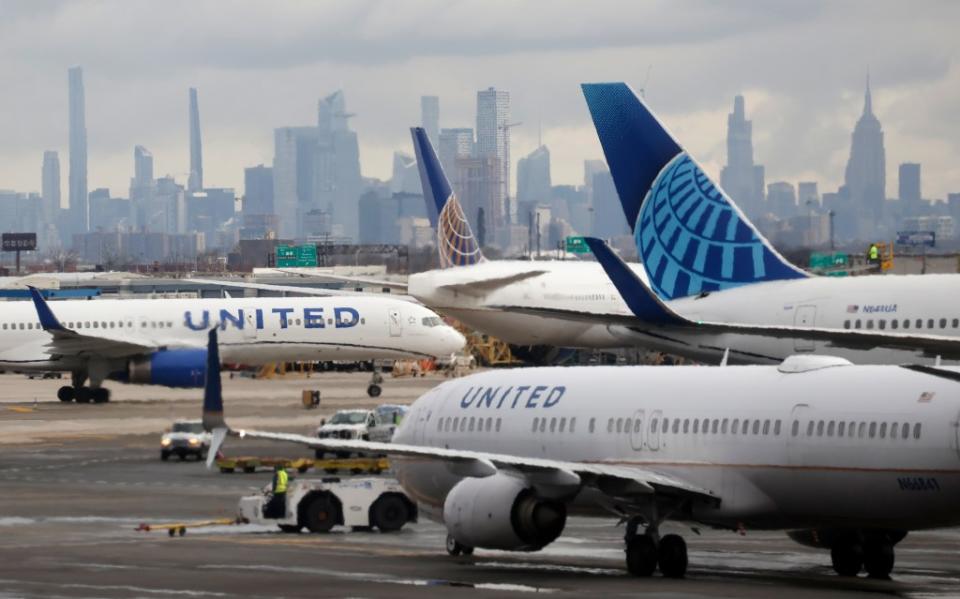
x=170, y=368
x=502, y=512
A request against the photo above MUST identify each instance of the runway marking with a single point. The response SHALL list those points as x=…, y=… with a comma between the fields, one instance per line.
x=20, y=409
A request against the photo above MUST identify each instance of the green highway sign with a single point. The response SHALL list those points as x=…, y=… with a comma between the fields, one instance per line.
x=577, y=245
x=292, y=256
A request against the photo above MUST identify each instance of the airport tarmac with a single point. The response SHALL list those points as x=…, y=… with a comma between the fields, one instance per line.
x=78, y=480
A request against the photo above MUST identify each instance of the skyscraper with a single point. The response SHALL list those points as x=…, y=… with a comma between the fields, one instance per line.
x=493, y=140
x=258, y=190
x=454, y=144
x=430, y=117
x=142, y=168
x=741, y=178
x=195, y=182
x=866, y=178
x=50, y=204
x=910, y=182
x=533, y=182
x=79, y=212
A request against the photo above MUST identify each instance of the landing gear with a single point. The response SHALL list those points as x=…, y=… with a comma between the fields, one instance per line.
x=847, y=557
x=878, y=559
x=645, y=552
x=100, y=395
x=454, y=548
x=82, y=394
x=66, y=393
x=374, y=389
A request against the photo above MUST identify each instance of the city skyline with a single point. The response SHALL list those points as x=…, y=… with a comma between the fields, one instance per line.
x=802, y=110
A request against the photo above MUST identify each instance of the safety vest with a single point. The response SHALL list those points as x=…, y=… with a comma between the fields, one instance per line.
x=873, y=252
x=282, y=478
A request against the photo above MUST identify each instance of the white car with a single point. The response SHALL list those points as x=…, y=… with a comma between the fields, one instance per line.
x=185, y=438
x=367, y=425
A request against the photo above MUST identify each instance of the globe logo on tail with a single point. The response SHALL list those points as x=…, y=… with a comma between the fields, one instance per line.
x=455, y=240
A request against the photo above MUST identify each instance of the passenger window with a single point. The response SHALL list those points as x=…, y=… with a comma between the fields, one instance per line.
x=610, y=425
x=919, y=323
x=563, y=425
x=463, y=424
x=905, y=431
x=636, y=425
x=766, y=427
x=846, y=324
x=543, y=425
x=653, y=425
x=870, y=323
x=916, y=431
x=627, y=424
x=861, y=430
x=776, y=428
x=696, y=425
x=489, y=424
x=894, y=323
x=856, y=325
x=573, y=424
x=894, y=429
x=883, y=430
x=746, y=426
x=843, y=424
x=820, y=428
x=456, y=424
x=666, y=426
x=873, y=430
x=715, y=427
x=929, y=323
x=882, y=323
x=593, y=422
x=723, y=426
x=470, y=427
x=498, y=425
x=756, y=427
x=906, y=323
x=553, y=425
x=676, y=425
x=795, y=429
x=620, y=425
x=686, y=425
x=830, y=428
x=736, y=426
x=536, y=422
x=810, y=428
x=955, y=323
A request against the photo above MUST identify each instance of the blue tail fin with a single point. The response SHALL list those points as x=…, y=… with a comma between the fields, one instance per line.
x=212, y=389
x=691, y=237
x=455, y=240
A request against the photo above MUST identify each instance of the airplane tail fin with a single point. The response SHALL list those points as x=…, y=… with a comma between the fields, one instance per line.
x=212, y=389
x=455, y=240
x=690, y=235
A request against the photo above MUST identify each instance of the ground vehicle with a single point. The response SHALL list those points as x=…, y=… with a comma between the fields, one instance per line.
x=185, y=438
x=319, y=505
x=366, y=425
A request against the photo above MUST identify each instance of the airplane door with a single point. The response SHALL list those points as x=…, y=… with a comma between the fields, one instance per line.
x=396, y=322
x=636, y=433
x=653, y=430
x=249, y=323
x=805, y=316
x=796, y=430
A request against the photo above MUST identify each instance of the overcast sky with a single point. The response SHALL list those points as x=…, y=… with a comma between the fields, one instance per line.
x=261, y=65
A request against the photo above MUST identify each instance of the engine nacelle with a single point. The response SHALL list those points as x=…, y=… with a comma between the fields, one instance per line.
x=502, y=512
x=170, y=368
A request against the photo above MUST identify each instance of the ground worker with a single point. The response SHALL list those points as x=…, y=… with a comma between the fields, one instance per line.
x=277, y=506
x=874, y=254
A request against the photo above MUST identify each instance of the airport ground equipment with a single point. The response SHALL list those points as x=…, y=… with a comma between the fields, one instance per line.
x=302, y=465
x=319, y=505
x=180, y=528
x=368, y=425
x=186, y=438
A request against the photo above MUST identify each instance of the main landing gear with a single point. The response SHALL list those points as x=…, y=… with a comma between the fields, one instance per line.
x=454, y=548
x=648, y=551
x=870, y=552
x=82, y=394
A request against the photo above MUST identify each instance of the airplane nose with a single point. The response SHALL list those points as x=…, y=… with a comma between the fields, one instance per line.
x=456, y=340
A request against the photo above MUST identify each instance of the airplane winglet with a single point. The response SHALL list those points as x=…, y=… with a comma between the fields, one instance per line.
x=48, y=321
x=641, y=300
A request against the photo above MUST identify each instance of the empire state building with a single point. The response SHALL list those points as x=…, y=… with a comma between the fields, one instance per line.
x=866, y=177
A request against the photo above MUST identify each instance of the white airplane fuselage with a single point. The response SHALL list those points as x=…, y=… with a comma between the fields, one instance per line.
x=253, y=330
x=833, y=446
x=823, y=302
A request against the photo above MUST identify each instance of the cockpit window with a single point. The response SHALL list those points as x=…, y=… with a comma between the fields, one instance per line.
x=432, y=321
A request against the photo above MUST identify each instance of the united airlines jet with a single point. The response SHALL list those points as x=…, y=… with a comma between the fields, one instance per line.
x=163, y=342
x=842, y=457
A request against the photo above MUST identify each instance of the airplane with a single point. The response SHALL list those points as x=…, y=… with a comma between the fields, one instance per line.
x=839, y=456
x=161, y=341
x=728, y=286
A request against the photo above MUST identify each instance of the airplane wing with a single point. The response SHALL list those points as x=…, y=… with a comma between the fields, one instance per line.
x=68, y=342
x=303, y=272
x=652, y=312
x=293, y=289
x=616, y=482
x=485, y=285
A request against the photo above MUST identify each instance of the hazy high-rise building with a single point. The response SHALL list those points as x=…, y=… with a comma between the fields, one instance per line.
x=608, y=219
x=741, y=178
x=865, y=179
x=533, y=182
x=493, y=140
x=782, y=199
x=258, y=190
x=910, y=182
x=406, y=177
x=195, y=182
x=337, y=179
x=142, y=187
x=50, y=199
x=80, y=213
x=454, y=143
x=293, y=167
x=142, y=167
x=430, y=118
x=808, y=197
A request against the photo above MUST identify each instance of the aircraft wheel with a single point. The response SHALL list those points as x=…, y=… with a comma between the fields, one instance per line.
x=374, y=390
x=641, y=556
x=454, y=548
x=878, y=559
x=847, y=558
x=66, y=393
x=83, y=395
x=100, y=395
x=672, y=556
